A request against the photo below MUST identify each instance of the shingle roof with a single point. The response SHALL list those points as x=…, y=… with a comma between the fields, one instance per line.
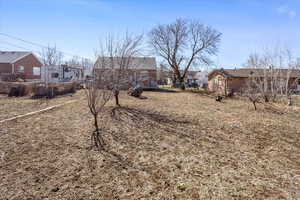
x=135, y=63
x=246, y=72
x=12, y=56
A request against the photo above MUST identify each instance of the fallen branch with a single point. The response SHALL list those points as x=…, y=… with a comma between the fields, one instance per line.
x=36, y=112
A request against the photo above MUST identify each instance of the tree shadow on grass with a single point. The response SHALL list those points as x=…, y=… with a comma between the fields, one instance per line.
x=149, y=127
x=137, y=119
x=164, y=90
x=116, y=159
x=138, y=115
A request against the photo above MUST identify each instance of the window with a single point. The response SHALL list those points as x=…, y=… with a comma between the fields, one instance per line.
x=21, y=69
x=218, y=82
x=54, y=75
x=36, y=71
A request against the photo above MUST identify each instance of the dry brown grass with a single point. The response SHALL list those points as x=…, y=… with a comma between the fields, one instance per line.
x=168, y=146
x=11, y=107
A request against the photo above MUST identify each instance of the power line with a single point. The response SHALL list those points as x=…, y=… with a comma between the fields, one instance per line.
x=17, y=46
x=14, y=45
x=37, y=44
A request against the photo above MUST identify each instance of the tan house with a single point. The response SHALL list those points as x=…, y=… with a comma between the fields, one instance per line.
x=22, y=63
x=142, y=70
x=224, y=81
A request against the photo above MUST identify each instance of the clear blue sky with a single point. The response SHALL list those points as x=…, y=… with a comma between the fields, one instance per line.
x=75, y=26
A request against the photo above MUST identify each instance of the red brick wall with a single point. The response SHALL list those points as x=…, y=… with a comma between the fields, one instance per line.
x=5, y=68
x=28, y=62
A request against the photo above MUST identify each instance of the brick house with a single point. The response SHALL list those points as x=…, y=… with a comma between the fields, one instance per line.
x=141, y=70
x=20, y=63
x=224, y=81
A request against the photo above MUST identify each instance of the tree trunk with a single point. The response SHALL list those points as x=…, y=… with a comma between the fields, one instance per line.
x=96, y=122
x=96, y=139
x=182, y=85
x=254, y=104
x=173, y=83
x=266, y=98
x=116, y=94
x=290, y=101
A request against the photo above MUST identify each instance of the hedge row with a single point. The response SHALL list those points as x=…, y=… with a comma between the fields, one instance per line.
x=36, y=90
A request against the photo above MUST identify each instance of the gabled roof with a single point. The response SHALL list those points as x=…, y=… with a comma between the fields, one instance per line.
x=141, y=63
x=12, y=56
x=246, y=72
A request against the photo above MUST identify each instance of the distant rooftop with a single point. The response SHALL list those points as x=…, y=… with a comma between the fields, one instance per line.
x=246, y=72
x=12, y=56
x=136, y=62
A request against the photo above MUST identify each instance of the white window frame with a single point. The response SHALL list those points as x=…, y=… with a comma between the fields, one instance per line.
x=19, y=69
x=39, y=71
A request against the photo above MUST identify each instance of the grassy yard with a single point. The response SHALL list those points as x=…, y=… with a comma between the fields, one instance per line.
x=168, y=146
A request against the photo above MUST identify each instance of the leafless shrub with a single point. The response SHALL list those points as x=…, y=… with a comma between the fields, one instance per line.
x=82, y=63
x=274, y=75
x=98, y=94
x=184, y=43
x=116, y=56
x=252, y=93
x=50, y=56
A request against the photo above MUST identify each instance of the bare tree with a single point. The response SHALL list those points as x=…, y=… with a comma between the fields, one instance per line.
x=83, y=64
x=77, y=61
x=275, y=74
x=117, y=56
x=253, y=61
x=98, y=94
x=50, y=57
x=164, y=74
x=184, y=43
x=74, y=61
x=253, y=92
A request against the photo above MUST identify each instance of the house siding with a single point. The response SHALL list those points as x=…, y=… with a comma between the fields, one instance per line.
x=152, y=77
x=5, y=68
x=236, y=84
x=217, y=84
x=146, y=80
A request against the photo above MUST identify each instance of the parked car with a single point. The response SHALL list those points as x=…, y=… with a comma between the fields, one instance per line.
x=193, y=85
